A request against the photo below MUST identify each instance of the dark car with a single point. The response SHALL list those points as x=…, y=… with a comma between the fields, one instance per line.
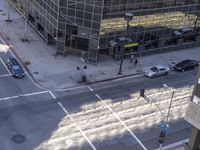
x=186, y=65
x=147, y=37
x=15, y=68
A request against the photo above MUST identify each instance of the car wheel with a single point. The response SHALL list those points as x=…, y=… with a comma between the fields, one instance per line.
x=153, y=76
x=182, y=70
x=166, y=73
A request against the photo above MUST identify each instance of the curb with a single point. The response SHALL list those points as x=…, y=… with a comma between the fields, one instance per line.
x=111, y=79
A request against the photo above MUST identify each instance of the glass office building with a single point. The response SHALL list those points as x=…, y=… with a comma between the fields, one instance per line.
x=98, y=26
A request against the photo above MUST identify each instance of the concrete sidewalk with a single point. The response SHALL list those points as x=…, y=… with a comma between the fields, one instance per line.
x=57, y=72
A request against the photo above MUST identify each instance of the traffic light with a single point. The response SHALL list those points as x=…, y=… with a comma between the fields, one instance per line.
x=142, y=91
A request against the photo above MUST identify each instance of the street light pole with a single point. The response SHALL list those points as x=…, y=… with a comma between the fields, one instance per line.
x=128, y=18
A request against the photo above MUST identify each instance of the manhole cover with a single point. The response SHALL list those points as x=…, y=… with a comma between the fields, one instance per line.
x=18, y=138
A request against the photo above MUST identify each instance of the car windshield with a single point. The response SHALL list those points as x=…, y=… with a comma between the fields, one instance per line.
x=185, y=62
x=154, y=69
x=15, y=67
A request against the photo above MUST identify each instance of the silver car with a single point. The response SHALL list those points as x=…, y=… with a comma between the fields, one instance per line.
x=156, y=70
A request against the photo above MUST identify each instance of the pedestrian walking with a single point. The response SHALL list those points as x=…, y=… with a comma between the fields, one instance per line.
x=131, y=59
x=136, y=61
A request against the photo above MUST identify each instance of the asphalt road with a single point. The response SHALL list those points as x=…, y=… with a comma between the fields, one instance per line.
x=104, y=116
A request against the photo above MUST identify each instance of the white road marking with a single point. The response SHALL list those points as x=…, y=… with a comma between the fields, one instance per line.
x=36, y=93
x=171, y=146
x=134, y=136
x=90, y=89
x=72, y=119
x=5, y=65
x=51, y=93
x=6, y=98
x=5, y=75
x=20, y=95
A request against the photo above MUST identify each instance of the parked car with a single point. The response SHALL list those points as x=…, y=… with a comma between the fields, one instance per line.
x=156, y=70
x=187, y=64
x=147, y=37
x=113, y=43
x=122, y=40
x=15, y=68
x=182, y=31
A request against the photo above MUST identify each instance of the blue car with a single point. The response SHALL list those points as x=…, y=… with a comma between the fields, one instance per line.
x=15, y=68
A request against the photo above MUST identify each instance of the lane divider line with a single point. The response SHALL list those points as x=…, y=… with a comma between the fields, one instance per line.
x=5, y=65
x=72, y=119
x=119, y=119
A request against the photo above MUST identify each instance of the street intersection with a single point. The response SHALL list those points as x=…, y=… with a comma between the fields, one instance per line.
x=108, y=116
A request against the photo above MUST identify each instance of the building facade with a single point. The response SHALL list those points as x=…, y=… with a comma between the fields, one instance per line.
x=96, y=26
x=193, y=117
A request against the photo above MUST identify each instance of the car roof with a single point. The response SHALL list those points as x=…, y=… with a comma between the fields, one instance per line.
x=187, y=60
x=160, y=66
x=177, y=33
x=185, y=29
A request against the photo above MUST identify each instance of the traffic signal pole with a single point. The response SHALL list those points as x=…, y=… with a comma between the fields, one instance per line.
x=170, y=106
x=163, y=125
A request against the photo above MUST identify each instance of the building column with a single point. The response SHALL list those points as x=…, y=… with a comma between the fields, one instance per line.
x=194, y=141
x=61, y=31
x=93, y=50
x=179, y=41
x=161, y=43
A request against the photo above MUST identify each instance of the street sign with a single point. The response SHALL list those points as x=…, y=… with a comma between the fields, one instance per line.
x=164, y=126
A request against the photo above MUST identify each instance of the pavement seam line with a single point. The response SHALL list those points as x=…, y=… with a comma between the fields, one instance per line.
x=4, y=65
x=72, y=119
x=119, y=119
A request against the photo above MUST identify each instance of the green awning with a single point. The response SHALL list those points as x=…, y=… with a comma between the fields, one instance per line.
x=131, y=45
